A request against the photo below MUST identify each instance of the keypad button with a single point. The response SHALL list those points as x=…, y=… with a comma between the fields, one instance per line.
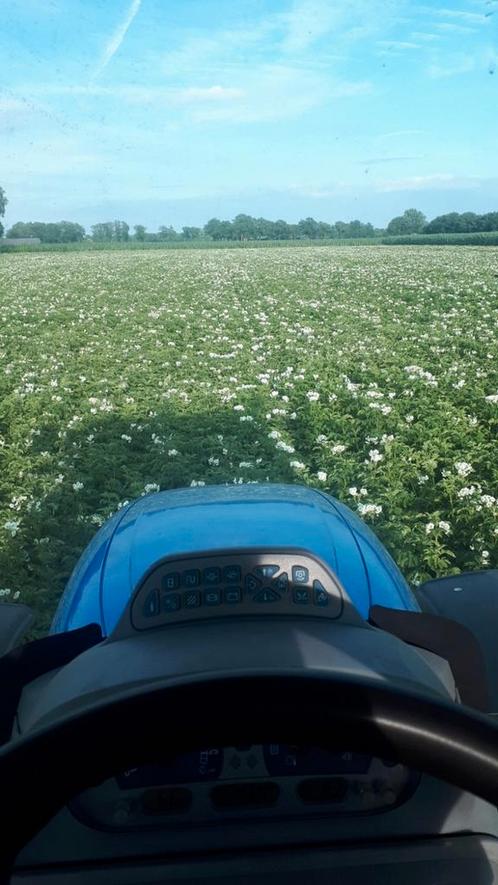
x=301, y=596
x=267, y=595
x=281, y=583
x=300, y=574
x=191, y=599
x=191, y=578
x=212, y=575
x=231, y=574
x=321, y=597
x=266, y=571
x=171, y=602
x=150, y=608
x=212, y=597
x=170, y=581
x=232, y=595
x=252, y=583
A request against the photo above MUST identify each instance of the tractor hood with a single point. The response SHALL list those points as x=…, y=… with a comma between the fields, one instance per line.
x=212, y=518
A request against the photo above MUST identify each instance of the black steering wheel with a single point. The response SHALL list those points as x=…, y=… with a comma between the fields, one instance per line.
x=41, y=771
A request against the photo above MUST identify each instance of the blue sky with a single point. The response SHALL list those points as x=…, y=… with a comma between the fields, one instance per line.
x=172, y=111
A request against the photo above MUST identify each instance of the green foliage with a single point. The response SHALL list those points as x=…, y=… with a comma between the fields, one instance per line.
x=368, y=372
x=456, y=239
x=57, y=232
x=466, y=222
x=411, y=222
x=111, y=232
x=3, y=203
x=140, y=232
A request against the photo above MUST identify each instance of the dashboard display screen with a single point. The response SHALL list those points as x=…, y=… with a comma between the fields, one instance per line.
x=217, y=763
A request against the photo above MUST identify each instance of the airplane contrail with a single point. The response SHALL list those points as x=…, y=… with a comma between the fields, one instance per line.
x=117, y=38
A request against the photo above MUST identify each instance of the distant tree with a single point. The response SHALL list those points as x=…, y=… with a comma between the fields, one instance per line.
x=214, y=229
x=191, y=233
x=487, y=222
x=19, y=229
x=51, y=232
x=309, y=228
x=468, y=221
x=326, y=231
x=411, y=222
x=263, y=229
x=243, y=227
x=167, y=233
x=103, y=232
x=281, y=230
x=121, y=231
x=140, y=232
x=3, y=204
x=218, y=230
x=342, y=229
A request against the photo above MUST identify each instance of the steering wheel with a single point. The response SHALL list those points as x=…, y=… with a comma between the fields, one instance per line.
x=41, y=771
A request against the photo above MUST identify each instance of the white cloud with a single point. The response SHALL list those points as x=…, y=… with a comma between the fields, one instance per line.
x=309, y=20
x=397, y=44
x=9, y=105
x=452, y=28
x=455, y=66
x=209, y=94
x=476, y=17
x=117, y=38
x=275, y=92
x=425, y=36
x=399, y=133
x=438, y=181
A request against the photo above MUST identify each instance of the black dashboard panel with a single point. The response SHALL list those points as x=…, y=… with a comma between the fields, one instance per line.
x=267, y=780
x=235, y=583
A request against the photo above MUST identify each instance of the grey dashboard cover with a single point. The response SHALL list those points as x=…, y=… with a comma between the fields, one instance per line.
x=470, y=598
x=14, y=621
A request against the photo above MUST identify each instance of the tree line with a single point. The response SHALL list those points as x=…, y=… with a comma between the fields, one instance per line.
x=246, y=227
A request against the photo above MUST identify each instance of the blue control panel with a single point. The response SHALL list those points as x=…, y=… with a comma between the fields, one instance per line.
x=236, y=583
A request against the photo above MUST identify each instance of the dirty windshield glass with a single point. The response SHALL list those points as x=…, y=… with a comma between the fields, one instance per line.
x=245, y=243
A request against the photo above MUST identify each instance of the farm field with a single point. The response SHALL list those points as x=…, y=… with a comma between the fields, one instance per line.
x=371, y=373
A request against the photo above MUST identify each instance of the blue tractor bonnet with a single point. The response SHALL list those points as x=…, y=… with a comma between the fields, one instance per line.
x=226, y=517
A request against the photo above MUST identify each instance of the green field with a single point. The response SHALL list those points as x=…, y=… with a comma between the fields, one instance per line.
x=371, y=373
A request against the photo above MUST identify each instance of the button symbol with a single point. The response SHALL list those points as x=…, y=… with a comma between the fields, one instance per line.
x=212, y=597
x=252, y=583
x=231, y=574
x=171, y=602
x=192, y=599
x=301, y=596
x=150, y=607
x=300, y=574
x=191, y=578
x=212, y=575
x=281, y=583
x=321, y=595
x=267, y=595
x=171, y=581
x=233, y=594
x=266, y=571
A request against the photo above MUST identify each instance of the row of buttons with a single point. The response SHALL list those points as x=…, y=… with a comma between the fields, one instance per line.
x=231, y=574
x=193, y=577
x=191, y=599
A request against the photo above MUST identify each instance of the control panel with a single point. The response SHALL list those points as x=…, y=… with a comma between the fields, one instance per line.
x=232, y=583
x=253, y=781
